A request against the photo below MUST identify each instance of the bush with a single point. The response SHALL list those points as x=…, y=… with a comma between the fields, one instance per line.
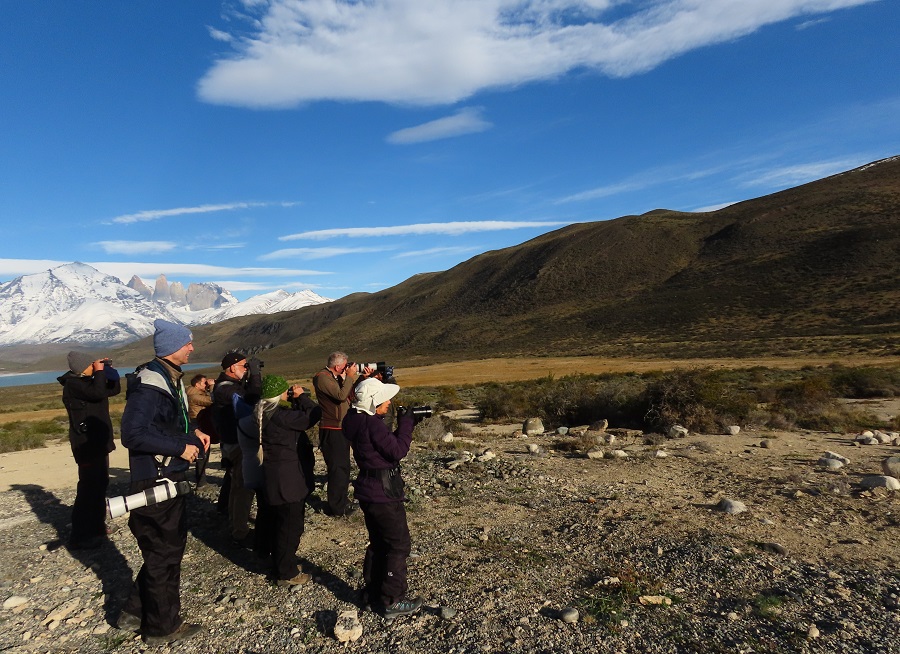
x=26, y=435
x=697, y=399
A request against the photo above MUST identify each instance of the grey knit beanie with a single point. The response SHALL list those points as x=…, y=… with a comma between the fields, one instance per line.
x=169, y=337
x=78, y=361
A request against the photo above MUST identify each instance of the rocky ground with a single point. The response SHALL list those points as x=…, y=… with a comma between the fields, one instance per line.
x=522, y=545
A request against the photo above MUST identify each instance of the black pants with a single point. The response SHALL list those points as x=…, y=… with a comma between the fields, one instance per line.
x=161, y=534
x=89, y=509
x=336, y=452
x=384, y=568
x=288, y=528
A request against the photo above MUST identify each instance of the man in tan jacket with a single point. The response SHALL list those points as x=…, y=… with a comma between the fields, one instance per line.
x=333, y=385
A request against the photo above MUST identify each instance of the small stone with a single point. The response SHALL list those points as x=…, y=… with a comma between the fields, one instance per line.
x=677, y=431
x=599, y=425
x=891, y=466
x=774, y=548
x=880, y=481
x=838, y=457
x=447, y=612
x=569, y=615
x=660, y=454
x=562, y=431
x=595, y=453
x=731, y=507
x=617, y=454
x=655, y=600
x=348, y=629
x=830, y=464
x=447, y=438
x=533, y=427
x=14, y=602
x=733, y=617
x=766, y=444
x=733, y=430
x=813, y=631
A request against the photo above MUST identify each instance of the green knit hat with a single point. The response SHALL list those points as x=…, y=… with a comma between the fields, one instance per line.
x=273, y=386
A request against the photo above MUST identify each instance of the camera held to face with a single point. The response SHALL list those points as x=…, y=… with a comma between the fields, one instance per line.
x=379, y=368
x=418, y=413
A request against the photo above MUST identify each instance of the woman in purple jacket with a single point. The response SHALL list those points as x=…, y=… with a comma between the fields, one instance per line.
x=379, y=490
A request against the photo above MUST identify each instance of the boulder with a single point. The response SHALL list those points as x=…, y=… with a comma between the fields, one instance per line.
x=533, y=427
x=733, y=430
x=600, y=425
x=891, y=466
x=731, y=507
x=677, y=431
x=830, y=464
x=836, y=457
x=880, y=481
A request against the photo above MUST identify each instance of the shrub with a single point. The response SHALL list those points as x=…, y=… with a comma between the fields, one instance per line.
x=697, y=399
x=25, y=435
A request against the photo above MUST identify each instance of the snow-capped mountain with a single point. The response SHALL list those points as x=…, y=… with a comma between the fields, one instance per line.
x=266, y=303
x=76, y=303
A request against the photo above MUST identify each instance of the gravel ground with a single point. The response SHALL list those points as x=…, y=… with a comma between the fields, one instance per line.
x=506, y=546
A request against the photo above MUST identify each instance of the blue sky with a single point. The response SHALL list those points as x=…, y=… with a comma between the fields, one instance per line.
x=345, y=146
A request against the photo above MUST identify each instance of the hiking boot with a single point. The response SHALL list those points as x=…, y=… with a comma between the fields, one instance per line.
x=245, y=542
x=183, y=632
x=405, y=606
x=299, y=580
x=128, y=622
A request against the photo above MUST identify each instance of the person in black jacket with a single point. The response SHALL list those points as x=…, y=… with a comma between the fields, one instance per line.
x=379, y=489
x=281, y=431
x=161, y=445
x=87, y=387
x=240, y=377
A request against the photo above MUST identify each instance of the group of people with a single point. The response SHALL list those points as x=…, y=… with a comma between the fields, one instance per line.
x=260, y=422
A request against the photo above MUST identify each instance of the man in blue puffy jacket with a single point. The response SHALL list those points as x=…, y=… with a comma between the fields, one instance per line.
x=161, y=445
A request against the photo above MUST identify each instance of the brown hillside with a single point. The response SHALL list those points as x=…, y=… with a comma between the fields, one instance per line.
x=812, y=269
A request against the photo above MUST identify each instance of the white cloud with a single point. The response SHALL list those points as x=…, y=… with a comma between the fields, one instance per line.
x=317, y=253
x=450, y=229
x=430, y=252
x=443, y=51
x=195, y=269
x=712, y=207
x=156, y=214
x=137, y=247
x=125, y=269
x=801, y=173
x=464, y=121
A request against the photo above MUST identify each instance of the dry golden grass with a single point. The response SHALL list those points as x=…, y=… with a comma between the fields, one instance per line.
x=504, y=370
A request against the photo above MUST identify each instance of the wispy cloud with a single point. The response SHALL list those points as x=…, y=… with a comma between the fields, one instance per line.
x=137, y=247
x=197, y=270
x=125, y=269
x=812, y=23
x=464, y=121
x=260, y=287
x=799, y=173
x=443, y=51
x=712, y=207
x=317, y=253
x=643, y=180
x=432, y=252
x=156, y=214
x=449, y=229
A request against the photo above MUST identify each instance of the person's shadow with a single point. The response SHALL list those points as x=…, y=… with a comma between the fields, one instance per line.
x=106, y=561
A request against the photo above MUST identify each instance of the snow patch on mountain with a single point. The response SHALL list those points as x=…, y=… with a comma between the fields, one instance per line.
x=75, y=303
